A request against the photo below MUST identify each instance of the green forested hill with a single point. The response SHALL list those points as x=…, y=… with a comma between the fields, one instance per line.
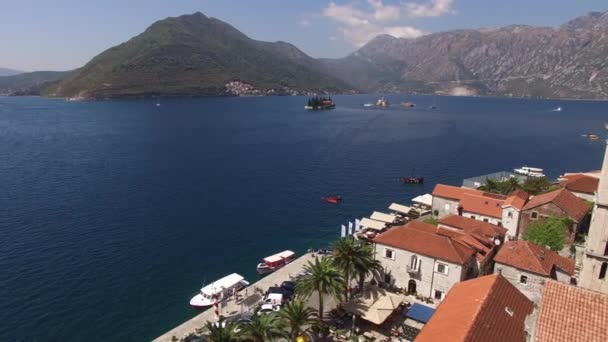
x=195, y=55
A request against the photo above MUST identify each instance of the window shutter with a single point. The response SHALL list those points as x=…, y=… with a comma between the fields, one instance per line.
x=436, y=267
x=446, y=269
x=418, y=264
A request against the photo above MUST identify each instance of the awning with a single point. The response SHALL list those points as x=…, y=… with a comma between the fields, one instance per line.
x=419, y=312
x=372, y=224
x=400, y=208
x=426, y=199
x=375, y=306
x=388, y=218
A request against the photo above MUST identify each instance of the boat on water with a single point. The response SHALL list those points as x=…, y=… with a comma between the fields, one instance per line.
x=558, y=109
x=408, y=104
x=412, y=180
x=218, y=291
x=382, y=102
x=593, y=137
x=432, y=107
x=368, y=105
x=320, y=103
x=336, y=199
x=274, y=262
x=530, y=171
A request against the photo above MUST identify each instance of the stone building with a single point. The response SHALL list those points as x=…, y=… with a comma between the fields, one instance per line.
x=483, y=309
x=528, y=267
x=415, y=257
x=482, y=206
x=560, y=202
x=581, y=185
x=595, y=258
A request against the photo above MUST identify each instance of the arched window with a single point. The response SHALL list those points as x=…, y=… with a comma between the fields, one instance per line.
x=603, y=270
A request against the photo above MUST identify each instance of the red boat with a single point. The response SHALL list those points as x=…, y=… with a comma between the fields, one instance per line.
x=412, y=180
x=334, y=199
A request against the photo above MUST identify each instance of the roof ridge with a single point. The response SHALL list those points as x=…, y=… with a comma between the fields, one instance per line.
x=537, y=260
x=484, y=303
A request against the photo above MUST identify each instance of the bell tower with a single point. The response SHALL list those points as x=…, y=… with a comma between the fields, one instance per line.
x=594, y=272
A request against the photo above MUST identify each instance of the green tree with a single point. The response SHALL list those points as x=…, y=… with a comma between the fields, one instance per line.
x=222, y=331
x=537, y=185
x=549, y=232
x=264, y=327
x=367, y=264
x=298, y=317
x=324, y=279
x=346, y=253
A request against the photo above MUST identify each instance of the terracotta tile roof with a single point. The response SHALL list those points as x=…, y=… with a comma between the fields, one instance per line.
x=580, y=183
x=453, y=192
x=471, y=200
x=482, y=205
x=517, y=199
x=569, y=313
x=574, y=207
x=471, y=226
x=482, y=309
x=527, y=256
x=422, y=238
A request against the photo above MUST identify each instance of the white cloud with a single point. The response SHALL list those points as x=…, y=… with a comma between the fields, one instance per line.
x=433, y=8
x=384, y=12
x=359, y=26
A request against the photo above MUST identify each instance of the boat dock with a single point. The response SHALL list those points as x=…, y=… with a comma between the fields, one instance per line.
x=232, y=307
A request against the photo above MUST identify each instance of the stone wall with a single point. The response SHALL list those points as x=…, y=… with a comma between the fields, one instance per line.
x=534, y=284
x=427, y=280
x=444, y=206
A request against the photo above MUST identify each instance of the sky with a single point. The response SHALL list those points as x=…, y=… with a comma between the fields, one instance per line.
x=65, y=34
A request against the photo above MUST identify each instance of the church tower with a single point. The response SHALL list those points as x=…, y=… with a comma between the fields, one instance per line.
x=594, y=272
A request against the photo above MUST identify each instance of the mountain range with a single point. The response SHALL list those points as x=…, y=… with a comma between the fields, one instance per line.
x=9, y=72
x=194, y=55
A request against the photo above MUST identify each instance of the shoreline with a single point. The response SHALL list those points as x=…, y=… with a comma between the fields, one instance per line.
x=233, y=308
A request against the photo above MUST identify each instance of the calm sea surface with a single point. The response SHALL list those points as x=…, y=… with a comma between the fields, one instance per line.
x=112, y=214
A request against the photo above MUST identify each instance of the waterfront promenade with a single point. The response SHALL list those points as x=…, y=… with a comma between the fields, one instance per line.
x=232, y=307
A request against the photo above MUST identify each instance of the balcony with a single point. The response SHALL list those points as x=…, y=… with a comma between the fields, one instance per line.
x=413, y=270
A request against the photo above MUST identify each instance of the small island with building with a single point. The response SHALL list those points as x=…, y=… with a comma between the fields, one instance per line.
x=320, y=103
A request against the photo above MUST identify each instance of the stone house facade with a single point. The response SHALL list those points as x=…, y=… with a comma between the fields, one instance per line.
x=416, y=258
x=556, y=203
x=528, y=267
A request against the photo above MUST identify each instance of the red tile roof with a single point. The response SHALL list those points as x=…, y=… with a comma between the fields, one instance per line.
x=570, y=313
x=517, y=199
x=482, y=309
x=580, y=183
x=453, y=192
x=471, y=226
x=574, y=207
x=422, y=238
x=471, y=200
x=527, y=256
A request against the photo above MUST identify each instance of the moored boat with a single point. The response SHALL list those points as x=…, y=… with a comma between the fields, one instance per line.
x=408, y=104
x=334, y=199
x=412, y=180
x=274, y=262
x=218, y=290
x=530, y=171
x=382, y=102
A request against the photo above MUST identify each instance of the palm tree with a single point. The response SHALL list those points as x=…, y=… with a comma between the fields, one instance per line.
x=222, y=331
x=297, y=315
x=324, y=279
x=367, y=264
x=347, y=253
x=264, y=327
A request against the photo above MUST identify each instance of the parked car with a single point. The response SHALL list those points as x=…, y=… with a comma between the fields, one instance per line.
x=289, y=285
x=268, y=308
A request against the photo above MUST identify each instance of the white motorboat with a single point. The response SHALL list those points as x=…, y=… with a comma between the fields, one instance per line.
x=218, y=290
x=530, y=171
x=274, y=262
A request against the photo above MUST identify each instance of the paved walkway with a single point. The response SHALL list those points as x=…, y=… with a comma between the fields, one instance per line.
x=232, y=307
